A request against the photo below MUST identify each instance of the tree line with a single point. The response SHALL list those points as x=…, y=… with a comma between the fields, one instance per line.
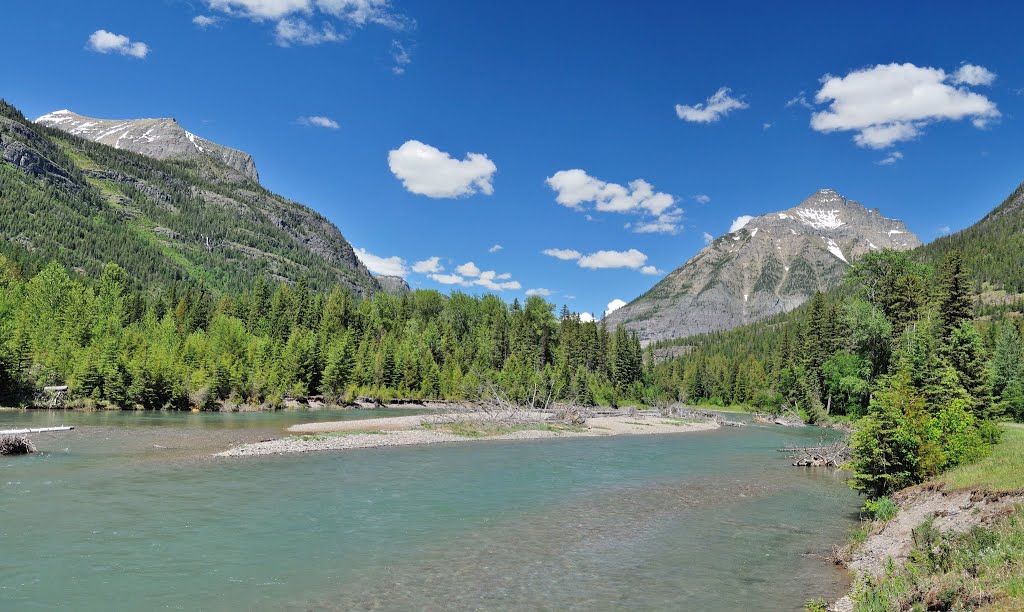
x=179, y=346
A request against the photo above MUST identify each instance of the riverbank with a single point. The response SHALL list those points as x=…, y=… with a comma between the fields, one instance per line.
x=445, y=428
x=955, y=542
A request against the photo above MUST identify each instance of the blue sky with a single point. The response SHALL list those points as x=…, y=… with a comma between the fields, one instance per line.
x=429, y=129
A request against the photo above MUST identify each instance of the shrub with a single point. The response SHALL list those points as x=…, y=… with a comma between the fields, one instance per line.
x=881, y=509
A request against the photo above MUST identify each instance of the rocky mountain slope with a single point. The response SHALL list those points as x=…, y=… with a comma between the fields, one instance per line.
x=156, y=138
x=772, y=264
x=199, y=218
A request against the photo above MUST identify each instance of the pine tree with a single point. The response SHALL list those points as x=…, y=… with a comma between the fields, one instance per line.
x=955, y=304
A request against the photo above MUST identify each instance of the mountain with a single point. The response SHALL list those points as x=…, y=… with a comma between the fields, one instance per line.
x=395, y=285
x=771, y=264
x=156, y=138
x=170, y=214
x=992, y=249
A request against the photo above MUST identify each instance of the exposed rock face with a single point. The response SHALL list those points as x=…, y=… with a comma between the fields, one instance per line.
x=157, y=138
x=771, y=265
x=395, y=285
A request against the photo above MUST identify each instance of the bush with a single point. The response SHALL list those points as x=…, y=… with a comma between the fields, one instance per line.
x=955, y=432
x=881, y=509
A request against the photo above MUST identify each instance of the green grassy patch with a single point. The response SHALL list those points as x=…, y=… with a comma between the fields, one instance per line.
x=474, y=429
x=320, y=437
x=1001, y=471
x=980, y=569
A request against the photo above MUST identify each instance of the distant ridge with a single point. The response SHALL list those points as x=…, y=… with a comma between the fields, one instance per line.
x=157, y=138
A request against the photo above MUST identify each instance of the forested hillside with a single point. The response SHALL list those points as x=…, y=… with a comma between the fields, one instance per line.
x=992, y=249
x=198, y=222
x=168, y=348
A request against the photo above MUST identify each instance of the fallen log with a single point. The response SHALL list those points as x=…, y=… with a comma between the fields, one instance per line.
x=835, y=454
x=14, y=432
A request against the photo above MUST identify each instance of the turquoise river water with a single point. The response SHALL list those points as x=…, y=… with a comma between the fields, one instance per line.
x=130, y=511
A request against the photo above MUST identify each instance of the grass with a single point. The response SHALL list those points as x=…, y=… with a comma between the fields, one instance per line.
x=320, y=437
x=474, y=429
x=980, y=569
x=1002, y=471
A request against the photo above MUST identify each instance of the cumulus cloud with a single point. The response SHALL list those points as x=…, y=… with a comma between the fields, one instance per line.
x=319, y=121
x=448, y=279
x=613, y=259
x=431, y=265
x=388, y=266
x=427, y=171
x=469, y=275
x=495, y=248
x=969, y=74
x=767, y=125
x=575, y=188
x=613, y=306
x=468, y=269
x=586, y=317
x=740, y=222
x=539, y=291
x=891, y=103
x=720, y=104
x=890, y=159
x=566, y=254
x=650, y=270
x=702, y=198
x=102, y=41
x=204, y=21
x=708, y=238
x=799, y=100
x=313, y=22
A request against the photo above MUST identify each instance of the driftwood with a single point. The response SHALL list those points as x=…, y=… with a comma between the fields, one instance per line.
x=15, y=445
x=833, y=454
x=787, y=417
x=29, y=430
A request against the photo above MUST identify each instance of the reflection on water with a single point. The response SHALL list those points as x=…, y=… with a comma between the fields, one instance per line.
x=709, y=521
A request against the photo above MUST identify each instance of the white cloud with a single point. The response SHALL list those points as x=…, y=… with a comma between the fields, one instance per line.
x=319, y=121
x=943, y=230
x=468, y=269
x=566, y=254
x=495, y=248
x=891, y=159
x=401, y=56
x=487, y=279
x=539, y=291
x=613, y=306
x=740, y=222
x=575, y=188
x=102, y=41
x=204, y=21
x=586, y=317
x=886, y=104
x=766, y=125
x=650, y=270
x=667, y=223
x=717, y=106
x=448, y=279
x=708, y=238
x=702, y=198
x=388, y=266
x=291, y=17
x=297, y=31
x=261, y=9
x=969, y=74
x=613, y=259
x=431, y=265
x=427, y=171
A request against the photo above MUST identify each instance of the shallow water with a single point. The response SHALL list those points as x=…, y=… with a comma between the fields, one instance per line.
x=129, y=511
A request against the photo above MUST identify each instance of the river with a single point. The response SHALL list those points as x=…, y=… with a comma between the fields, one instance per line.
x=130, y=511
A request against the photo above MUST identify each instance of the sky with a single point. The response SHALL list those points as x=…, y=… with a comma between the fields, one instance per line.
x=575, y=150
